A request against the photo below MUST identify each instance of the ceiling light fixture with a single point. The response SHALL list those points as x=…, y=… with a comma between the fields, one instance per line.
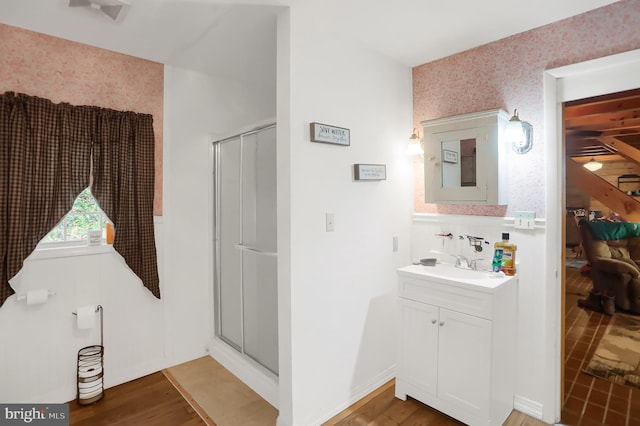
x=519, y=134
x=414, y=148
x=108, y=8
x=593, y=165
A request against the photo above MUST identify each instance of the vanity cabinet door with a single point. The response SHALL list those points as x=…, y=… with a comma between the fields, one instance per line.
x=464, y=370
x=419, y=345
x=456, y=346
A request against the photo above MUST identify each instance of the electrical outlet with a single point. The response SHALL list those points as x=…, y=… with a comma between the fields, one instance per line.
x=524, y=220
x=395, y=244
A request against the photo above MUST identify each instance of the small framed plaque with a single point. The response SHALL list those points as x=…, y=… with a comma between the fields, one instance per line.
x=449, y=156
x=330, y=134
x=369, y=171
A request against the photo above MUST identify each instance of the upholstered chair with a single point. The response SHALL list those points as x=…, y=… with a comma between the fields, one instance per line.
x=613, y=251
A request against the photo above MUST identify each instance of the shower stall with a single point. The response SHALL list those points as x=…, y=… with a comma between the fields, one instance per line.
x=245, y=250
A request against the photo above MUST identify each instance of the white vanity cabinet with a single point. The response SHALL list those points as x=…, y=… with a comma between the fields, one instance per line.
x=457, y=344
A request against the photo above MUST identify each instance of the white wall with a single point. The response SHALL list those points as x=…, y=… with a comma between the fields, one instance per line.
x=196, y=106
x=343, y=283
x=40, y=342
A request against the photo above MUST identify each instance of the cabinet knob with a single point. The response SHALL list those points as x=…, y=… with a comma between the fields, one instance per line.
x=433, y=321
x=441, y=323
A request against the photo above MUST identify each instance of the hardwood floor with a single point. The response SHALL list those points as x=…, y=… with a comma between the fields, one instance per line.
x=382, y=408
x=150, y=400
x=153, y=400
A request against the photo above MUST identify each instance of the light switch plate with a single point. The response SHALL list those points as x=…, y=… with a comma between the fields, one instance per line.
x=330, y=222
x=525, y=220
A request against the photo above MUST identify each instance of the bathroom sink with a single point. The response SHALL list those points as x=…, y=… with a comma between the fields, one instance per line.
x=445, y=273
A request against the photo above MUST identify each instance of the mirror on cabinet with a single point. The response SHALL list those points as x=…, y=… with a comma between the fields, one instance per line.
x=464, y=161
x=459, y=163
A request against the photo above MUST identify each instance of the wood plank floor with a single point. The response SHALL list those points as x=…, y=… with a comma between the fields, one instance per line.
x=153, y=400
x=382, y=408
x=150, y=400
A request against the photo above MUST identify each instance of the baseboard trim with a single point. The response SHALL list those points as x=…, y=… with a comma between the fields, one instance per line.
x=362, y=394
x=528, y=407
x=113, y=377
x=126, y=375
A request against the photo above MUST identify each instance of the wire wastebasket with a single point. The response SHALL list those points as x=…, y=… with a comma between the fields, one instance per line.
x=90, y=375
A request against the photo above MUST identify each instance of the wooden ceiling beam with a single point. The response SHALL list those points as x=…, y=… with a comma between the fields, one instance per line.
x=618, y=201
x=628, y=131
x=606, y=125
x=608, y=103
x=624, y=149
x=606, y=118
x=578, y=147
x=601, y=158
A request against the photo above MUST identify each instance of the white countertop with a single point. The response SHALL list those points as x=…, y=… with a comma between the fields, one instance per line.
x=466, y=278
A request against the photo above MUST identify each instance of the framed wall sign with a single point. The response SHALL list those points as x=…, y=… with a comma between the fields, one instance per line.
x=369, y=171
x=449, y=156
x=330, y=134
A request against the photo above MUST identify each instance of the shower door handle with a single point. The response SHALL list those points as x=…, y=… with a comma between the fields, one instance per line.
x=255, y=250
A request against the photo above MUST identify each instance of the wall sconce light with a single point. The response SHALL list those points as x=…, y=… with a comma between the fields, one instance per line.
x=592, y=165
x=519, y=134
x=415, y=147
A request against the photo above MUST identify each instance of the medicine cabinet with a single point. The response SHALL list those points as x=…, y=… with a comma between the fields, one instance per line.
x=465, y=161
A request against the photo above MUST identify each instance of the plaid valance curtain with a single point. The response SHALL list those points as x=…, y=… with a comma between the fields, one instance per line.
x=48, y=153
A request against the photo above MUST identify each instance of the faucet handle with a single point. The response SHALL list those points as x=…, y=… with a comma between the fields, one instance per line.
x=473, y=264
x=459, y=259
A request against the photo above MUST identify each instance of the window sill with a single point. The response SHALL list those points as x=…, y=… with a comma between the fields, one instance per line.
x=41, y=253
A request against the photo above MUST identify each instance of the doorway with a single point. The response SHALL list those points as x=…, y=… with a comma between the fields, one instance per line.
x=611, y=74
x=588, y=124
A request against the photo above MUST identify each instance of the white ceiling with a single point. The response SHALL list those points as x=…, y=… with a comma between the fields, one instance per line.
x=236, y=39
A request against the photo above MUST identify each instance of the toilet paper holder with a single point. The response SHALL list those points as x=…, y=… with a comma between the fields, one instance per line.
x=90, y=373
x=23, y=296
x=99, y=310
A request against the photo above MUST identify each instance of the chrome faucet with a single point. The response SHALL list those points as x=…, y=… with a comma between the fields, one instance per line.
x=459, y=259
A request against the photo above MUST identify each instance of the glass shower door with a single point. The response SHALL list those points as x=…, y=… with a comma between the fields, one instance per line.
x=229, y=259
x=247, y=261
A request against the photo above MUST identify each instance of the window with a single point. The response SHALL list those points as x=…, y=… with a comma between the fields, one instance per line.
x=85, y=215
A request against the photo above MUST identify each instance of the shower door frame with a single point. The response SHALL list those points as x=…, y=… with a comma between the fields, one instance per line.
x=260, y=378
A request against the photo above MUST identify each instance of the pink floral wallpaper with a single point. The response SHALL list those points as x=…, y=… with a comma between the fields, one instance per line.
x=508, y=74
x=66, y=71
